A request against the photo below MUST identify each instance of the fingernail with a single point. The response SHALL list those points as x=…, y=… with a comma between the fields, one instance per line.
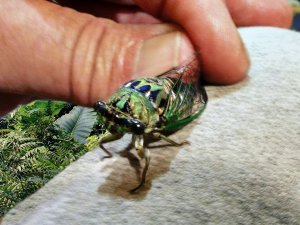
x=161, y=53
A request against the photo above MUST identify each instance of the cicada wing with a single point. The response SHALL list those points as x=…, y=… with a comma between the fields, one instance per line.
x=187, y=98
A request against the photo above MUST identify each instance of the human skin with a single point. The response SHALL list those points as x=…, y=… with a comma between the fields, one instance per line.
x=54, y=52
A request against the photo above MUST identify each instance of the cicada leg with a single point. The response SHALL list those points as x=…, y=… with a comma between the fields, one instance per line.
x=163, y=137
x=143, y=153
x=107, y=137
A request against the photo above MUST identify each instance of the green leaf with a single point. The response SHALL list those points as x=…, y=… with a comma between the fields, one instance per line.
x=79, y=122
x=32, y=151
x=49, y=107
x=92, y=142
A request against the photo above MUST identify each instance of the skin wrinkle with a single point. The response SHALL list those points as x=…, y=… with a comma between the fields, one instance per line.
x=114, y=69
x=123, y=72
x=81, y=30
x=105, y=66
x=94, y=67
x=135, y=46
x=109, y=70
x=121, y=59
x=118, y=63
x=126, y=55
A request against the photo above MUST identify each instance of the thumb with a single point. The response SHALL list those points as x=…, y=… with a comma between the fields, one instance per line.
x=50, y=51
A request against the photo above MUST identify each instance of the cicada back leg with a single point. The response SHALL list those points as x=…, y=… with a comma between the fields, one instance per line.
x=163, y=137
x=143, y=153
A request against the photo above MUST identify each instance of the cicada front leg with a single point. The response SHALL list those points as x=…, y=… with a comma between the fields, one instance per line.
x=144, y=154
x=163, y=137
x=107, y=137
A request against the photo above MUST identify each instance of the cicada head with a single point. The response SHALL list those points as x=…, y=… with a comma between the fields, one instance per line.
x=117, y=121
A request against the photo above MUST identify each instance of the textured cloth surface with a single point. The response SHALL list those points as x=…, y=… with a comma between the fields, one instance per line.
x=242, y=165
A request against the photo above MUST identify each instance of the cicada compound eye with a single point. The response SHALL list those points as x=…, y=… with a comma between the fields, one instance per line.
x=101, y=107
x=137, y=127
x=133, y=125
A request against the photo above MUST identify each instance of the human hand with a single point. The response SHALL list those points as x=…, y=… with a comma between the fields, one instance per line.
x=50, y=51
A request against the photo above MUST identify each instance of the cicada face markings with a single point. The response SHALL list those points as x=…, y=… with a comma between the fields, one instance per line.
x=151, y=88
x=153, y=95
x=126, y=107
x=143, y=89
x=121, y=103
x=132, y=84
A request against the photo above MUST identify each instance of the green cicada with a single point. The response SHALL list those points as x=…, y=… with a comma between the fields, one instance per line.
x=153, y=106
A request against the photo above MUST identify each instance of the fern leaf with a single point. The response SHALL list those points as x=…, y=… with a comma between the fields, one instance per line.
x=4, y=131
x=79, y=122
x=31, y=154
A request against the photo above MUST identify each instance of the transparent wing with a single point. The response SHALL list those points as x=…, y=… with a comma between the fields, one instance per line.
x=186, y=97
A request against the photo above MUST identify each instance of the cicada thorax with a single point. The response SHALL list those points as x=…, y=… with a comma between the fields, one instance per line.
x=144, y=99
x=154, y=91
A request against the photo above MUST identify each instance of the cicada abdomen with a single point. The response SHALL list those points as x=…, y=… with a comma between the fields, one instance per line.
x=187, y=99
x=151, y=106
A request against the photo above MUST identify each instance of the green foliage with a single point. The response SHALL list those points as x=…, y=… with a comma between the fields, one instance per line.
x=79, y=122
x=93, y=142
x=33, y=149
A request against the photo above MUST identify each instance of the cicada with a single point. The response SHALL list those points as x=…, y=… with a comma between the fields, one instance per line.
x=153, y=107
